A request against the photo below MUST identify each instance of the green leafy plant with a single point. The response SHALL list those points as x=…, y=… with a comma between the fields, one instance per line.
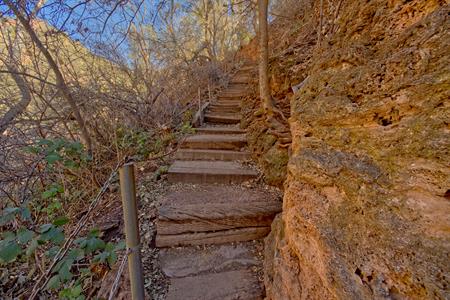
x=135, y=141
x=187, y=128
x=72, y=293
x=10, y=213
x=52, y=204
x=49, y=237
x=70, y=154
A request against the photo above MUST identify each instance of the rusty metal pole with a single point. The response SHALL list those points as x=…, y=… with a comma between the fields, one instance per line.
x=129, y=204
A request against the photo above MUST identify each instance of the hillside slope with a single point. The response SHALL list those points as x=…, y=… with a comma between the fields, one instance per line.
x=366, y=206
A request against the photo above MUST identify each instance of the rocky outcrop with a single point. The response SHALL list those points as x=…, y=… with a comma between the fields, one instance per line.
x=366, y=206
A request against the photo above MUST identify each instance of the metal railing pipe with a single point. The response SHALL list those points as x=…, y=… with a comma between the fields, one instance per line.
x=130, y=216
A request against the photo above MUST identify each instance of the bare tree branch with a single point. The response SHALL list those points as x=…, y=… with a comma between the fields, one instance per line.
x=19, y=108
x=61, y=84
x=27, y=75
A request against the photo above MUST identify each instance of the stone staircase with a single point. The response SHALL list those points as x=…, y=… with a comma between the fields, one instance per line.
x=209, y=224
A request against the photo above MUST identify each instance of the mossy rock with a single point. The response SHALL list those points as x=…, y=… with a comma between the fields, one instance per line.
x=274, y=164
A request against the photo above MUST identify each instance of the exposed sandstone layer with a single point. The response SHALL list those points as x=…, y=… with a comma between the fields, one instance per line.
x=366, y=211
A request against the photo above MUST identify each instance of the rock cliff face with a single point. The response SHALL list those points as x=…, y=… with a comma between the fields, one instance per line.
x=366, y=212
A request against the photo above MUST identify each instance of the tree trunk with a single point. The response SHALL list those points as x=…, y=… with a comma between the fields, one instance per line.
x=20, y=107
x=207, y=7
x=60, y=82
x=264, y=88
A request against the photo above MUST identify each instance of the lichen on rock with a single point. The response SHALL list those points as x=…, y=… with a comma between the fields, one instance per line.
x=366, y=209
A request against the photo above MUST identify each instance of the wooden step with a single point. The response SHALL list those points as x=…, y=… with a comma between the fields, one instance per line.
x=240, y=284
x=215, y=141
x=206, y=154
x=182, y=262
x=222, y=118
x=198, y=171
x=220, y=130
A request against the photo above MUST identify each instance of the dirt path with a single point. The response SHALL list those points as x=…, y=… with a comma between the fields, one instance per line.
x=211, y=219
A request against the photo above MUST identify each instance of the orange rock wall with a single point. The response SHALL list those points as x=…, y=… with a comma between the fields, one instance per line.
x=366, y=212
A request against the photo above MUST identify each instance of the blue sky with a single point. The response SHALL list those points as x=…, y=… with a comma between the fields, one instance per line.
x=102, y=22
x=97, y=21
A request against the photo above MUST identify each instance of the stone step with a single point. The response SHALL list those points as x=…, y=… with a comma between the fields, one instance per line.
x=193, y=261
x=237, y=99
x=222, y=118
x=247, y=71
x=207, y=217
x=211, y=214
x=242, y=79
x=190, y=268
x=231, y=96
x=215, y=141
x=240, y=284
x=220, y=130
x=224, y=109
x=198, y=171
x=238, y=85
x=216, y=237
x=206, y=154
x=212, y=193
x=234, y=92
x=236, y=88
x=248, y=68
x=227, y=103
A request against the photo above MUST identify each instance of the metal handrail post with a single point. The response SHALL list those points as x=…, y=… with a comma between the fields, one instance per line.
x=129, y=204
